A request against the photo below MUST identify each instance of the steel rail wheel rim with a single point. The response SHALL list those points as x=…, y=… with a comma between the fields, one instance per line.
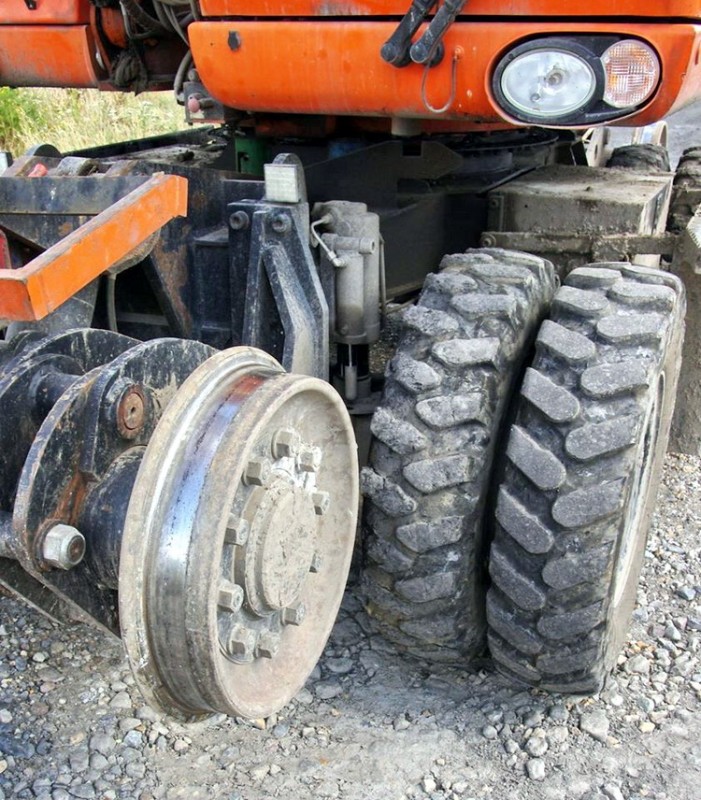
x=199, y=476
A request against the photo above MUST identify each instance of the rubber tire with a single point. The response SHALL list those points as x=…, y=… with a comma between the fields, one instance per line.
x=686, y=190
x=435, y=433
x=641, y=158
x=563, y=590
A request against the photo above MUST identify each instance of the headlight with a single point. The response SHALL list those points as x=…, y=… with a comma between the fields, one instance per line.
x=632, y=73
x=548, y=83
x=575, y=81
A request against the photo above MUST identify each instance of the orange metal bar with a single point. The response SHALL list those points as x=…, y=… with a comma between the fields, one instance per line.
x=47, y=56
x=554, y=8
x=33, y=291
x=335, y=67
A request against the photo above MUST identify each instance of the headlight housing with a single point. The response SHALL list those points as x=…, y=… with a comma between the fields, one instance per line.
x=575, y=81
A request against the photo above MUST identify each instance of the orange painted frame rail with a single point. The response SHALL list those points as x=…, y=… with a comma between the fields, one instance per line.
x=35, y=290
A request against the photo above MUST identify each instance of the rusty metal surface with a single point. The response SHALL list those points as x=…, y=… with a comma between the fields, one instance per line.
x=33, y=291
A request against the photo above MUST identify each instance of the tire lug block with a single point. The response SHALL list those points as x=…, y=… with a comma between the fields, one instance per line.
x=316, y=564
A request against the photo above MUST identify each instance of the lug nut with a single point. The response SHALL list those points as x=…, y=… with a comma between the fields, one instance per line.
x=237, y=529
x=268, y=644
x=293, y=615
x=230, y=596
x=315, y=566
x=285, y=443
x=321, y=501
x=310, y=459
x=241, y=643
x=63, y=547
x=257, y=472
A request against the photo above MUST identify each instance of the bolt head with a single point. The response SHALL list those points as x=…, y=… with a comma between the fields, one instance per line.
x=267, y=646
x=321, y=501
x=293, y=615
x=237, y=530
x=230, y=596
x=257, y=472
x=241, y=643
x=131, y=411
x=63, y=547
x=281, y=223
x=239, y=221
x=285, y=443
x=310, y=459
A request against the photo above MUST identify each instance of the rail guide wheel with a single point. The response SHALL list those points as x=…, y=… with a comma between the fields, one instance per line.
x=238, y=538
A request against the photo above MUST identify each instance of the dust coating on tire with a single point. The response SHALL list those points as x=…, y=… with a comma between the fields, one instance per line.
x=583, y=465
x=238, y=538
x=435, y=435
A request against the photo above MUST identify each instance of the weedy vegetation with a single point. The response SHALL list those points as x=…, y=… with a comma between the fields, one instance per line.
x=71, y=119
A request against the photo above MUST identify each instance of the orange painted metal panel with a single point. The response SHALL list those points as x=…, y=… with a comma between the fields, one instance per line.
x=33, y=291
x=47, y=56
x=47, y=12
x=552, y=8
x=335, y=67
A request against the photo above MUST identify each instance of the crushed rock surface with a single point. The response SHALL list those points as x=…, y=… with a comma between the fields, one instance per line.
x=370, y=723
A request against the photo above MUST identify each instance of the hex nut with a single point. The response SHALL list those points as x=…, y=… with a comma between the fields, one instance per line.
x=321, y=501
x=285, y=443
x=257, y=472
x=237, y=530
x=293, y=615
x=241, y=643
x=310, y=459
x=268, y=644
x=230, y=596
x=63, y=546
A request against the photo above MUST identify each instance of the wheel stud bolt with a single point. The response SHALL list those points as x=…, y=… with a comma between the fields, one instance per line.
x=237, y=529
x=310, y=459
x=315, y=566
x=285, y=443
x=293, y=615
x=268, y=644
x=321, y=501
x=63, y=546
x=241, y=643
x=230, y=596
x=257, y=472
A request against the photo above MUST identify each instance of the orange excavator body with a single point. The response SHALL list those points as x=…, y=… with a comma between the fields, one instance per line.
x=315, y=57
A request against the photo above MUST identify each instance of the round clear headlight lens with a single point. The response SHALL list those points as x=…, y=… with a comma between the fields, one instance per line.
x=548, y=83
x=632, y=72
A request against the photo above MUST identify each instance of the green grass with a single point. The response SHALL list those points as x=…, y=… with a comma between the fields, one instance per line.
x=71, y=119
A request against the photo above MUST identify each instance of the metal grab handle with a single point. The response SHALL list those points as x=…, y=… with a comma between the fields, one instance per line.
x=395, y=50
x=422, y=51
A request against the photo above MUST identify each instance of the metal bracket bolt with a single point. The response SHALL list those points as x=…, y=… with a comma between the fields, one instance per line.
x=230, y=596
x=257, y=472
x=63, y=547
x=285, y=443
x=310, y=459
x=239, y=221
x=321, y=501
x=241, y=643
x=237, y=529
x=293, y=615
x=268, y=644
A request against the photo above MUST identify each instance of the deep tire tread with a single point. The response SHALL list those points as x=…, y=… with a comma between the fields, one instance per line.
x=552, y=622
x=448, y=386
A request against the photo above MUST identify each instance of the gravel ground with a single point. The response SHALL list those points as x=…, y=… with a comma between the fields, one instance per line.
x=370, y=723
